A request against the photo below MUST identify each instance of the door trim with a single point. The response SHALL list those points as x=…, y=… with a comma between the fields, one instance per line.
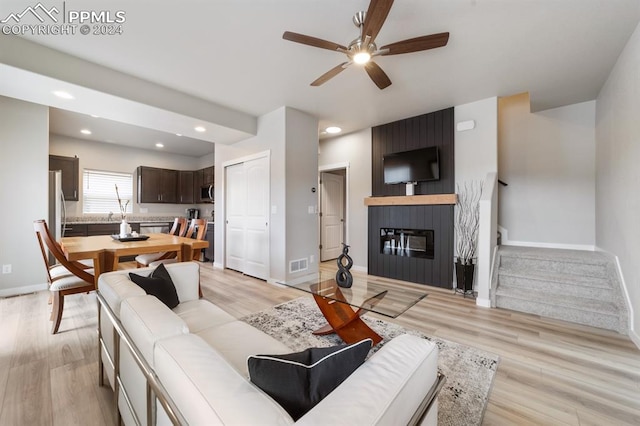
x=328, y=168
x=232, y=162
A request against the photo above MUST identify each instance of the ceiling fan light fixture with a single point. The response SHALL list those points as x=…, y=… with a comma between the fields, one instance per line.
x=361, y=57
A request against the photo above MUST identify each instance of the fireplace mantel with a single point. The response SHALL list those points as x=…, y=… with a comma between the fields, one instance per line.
x=412, y=200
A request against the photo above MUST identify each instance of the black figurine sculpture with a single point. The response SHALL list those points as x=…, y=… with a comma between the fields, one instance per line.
x=343, y=276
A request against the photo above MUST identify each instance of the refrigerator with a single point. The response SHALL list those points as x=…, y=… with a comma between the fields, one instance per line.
x=57, y=211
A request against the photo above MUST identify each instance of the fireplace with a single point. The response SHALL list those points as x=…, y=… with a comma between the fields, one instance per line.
x=407, y=242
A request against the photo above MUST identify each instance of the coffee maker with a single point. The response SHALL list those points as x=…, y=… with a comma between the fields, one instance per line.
x=192, y=213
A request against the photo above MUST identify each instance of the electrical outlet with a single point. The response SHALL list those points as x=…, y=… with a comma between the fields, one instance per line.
x=312, y=259
x=6, y=269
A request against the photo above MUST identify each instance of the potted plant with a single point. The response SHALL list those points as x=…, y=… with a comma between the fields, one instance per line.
x=466, y=225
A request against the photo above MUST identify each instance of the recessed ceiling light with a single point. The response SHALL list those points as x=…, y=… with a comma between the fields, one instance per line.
x=95, y=116
x=85, y=131
x=200, y=129
x=62, y=94
x=333, y=130
x=159, y=145
x=178, y=134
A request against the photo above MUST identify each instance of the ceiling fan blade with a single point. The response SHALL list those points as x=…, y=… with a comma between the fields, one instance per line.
x=377, y=75
x=312, y=41
x=330, y=74
x=416, y=44
x=375, y=17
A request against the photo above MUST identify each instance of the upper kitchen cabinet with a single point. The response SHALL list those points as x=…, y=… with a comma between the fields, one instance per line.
x=207, y=176
x=186, y=187
x=157, y=185
x=70, y=175
x=204, y=184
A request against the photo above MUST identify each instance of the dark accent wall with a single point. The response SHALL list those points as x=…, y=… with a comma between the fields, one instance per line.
x=433, y=129
x=437, y=271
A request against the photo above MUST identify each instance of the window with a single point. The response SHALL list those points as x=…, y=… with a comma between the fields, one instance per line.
x=99, y=191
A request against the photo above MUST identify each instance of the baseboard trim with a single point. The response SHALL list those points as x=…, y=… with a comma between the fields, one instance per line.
x=504, y=233
x=362, y=269
x=635, y=338
x=218, y=265
x=583, y=247
x=16, y=291
x=485, y=303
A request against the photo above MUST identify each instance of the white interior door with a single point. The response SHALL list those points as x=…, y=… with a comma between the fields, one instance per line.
x=332, y=218
x=256, y=261
x=236, y=198
x=247, y=217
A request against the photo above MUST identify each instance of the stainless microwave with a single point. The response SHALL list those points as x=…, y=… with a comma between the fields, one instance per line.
x=206, y=193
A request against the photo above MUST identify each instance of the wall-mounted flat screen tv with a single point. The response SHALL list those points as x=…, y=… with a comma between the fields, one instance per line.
x=418, y=165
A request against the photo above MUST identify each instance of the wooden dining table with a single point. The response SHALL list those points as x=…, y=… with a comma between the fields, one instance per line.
x=106, y=251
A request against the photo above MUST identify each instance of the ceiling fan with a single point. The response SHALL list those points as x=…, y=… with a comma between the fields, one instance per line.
x=363, y=49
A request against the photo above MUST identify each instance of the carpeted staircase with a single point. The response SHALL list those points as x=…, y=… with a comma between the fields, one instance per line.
x=571, y=285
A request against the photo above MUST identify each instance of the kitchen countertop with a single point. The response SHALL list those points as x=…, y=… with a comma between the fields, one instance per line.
x=105, y=219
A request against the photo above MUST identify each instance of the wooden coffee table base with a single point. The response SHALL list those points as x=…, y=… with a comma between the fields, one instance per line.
x=344, y=321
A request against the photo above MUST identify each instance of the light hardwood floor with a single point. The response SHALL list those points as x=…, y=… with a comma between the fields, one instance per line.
x=550, y=372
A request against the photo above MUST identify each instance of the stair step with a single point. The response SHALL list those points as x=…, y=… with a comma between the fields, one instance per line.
x=568, y=267
x=603, y=320
x=580, y=303
x=570, y=285
x=549, y=283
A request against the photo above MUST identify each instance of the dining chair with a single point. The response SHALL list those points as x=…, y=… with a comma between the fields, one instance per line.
x=178, y=228
x=64, y=278
x=198, y=231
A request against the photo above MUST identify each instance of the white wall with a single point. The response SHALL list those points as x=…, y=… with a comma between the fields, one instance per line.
x=24, y=165
x=476, y=150
x=548, y=160
x=355, y=149
x=618, y=172
x=476, y=157
x=291, y=136
x=301, y=176
x=118, y=158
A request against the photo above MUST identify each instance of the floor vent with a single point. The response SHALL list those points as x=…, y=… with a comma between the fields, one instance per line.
x=298, y=265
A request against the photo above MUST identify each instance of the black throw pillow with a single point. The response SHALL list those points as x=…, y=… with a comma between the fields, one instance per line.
x=300, y=380
x=158, y=284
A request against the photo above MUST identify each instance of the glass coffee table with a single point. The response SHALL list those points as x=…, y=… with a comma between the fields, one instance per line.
x=343, y=307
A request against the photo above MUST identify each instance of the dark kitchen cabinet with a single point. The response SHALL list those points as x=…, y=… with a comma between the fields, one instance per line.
x=208, y=252
x=74, y=230
x=204, y=178
x=207, y=176
x=157, y=185
x=186, y=187
x=70, y=175
x=109, y=228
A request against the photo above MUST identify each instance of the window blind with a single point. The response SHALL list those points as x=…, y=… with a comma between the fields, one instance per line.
x=99, y=191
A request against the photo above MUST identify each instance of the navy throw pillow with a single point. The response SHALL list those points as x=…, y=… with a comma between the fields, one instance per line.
x=158, y=284
x=300, y=380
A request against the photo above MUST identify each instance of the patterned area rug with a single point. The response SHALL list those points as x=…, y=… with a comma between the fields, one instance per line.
x=469, y=371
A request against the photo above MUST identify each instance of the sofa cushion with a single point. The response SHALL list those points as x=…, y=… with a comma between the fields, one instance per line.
x=298, y=381
x=237, y=340
x=201, y=314
x=158, y=284
x=148, y=320
x=116, y=287
x=386, y=390
x=207, y=390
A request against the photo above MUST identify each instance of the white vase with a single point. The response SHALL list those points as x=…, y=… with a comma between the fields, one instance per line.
x=125, y=228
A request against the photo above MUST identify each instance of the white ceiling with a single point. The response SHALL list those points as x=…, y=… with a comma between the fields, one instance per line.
x=68, y=123
x=231, y=52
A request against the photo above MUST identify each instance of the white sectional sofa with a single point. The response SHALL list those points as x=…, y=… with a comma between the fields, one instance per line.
x=189, y=365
